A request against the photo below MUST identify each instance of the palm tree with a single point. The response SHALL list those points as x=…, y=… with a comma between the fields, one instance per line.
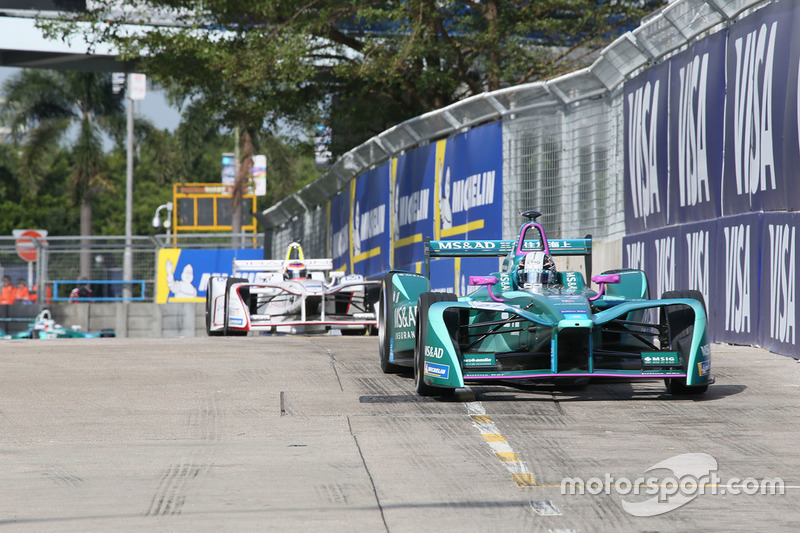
x=42, y=108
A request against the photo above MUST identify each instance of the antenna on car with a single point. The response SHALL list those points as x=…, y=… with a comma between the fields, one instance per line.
x=531, y=215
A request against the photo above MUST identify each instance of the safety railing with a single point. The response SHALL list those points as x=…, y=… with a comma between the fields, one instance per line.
x=116, y=286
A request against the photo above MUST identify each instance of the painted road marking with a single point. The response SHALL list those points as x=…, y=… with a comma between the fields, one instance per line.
x=545, y=507
x=500, y=446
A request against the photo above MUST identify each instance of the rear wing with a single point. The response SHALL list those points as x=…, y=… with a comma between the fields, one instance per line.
x=277, y=265
x=492, y=248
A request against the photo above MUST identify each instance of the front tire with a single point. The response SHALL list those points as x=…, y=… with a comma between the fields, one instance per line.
x=680, y=320
x=426, y=299
x=210, y=310
x=226, y=330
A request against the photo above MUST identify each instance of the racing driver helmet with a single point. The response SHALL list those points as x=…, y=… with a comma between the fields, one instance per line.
x=295, y=270
x=536, y=270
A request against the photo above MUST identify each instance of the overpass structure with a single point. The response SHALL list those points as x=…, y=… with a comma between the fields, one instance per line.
x=24, y=45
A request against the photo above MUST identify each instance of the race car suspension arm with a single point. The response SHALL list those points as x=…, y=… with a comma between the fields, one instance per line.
x=497, y=324
x=621, y=326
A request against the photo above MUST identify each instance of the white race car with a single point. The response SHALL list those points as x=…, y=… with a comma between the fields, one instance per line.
x=294, y=295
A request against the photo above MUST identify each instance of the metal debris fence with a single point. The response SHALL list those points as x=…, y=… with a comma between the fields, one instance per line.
x=61, y=258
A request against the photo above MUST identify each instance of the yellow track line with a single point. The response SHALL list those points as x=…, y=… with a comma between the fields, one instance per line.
x=500, y=446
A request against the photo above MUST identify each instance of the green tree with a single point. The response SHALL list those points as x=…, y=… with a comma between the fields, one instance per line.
x=51, y=209
x=359, y=66
x=202, y=137
x=40, y=107
x=192, y=154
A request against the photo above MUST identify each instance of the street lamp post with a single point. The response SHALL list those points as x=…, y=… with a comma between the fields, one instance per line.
x=127, y=257
x=136, y=91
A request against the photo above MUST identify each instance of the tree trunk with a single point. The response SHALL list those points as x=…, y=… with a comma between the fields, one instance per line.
x=240, y=185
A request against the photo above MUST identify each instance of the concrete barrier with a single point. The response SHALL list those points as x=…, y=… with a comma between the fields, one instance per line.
x=134, y=319
x=16, y=317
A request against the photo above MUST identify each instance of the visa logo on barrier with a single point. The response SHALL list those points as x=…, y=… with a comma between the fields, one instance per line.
x=737, y=279
x=782, y=278
x=643, y=145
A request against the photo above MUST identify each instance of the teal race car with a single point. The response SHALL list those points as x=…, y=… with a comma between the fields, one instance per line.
x=44, y=327
x=531, y=322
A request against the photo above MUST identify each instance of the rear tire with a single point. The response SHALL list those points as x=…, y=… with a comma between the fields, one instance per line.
x=680, y=320
x=384, y=321
x=426, y=299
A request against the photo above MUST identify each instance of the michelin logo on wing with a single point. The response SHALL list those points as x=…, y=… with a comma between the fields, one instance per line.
x=437, y=370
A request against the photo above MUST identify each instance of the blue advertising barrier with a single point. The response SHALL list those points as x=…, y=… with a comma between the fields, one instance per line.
x=369, y=216
x=744, y=266
x=448, y=189
x=697, y=107
x=182, y=273
x=777, y=307
x=339, y=216
x=731, y=183
x=645, y=107
x=413, y=205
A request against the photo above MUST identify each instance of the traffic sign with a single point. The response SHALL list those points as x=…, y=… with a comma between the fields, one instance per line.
x=25, y=245
x=137, y=86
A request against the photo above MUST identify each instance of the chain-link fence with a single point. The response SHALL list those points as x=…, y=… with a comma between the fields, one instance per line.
x=63, y=263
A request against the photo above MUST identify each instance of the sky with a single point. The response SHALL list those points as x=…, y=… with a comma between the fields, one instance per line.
x=154, y=106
